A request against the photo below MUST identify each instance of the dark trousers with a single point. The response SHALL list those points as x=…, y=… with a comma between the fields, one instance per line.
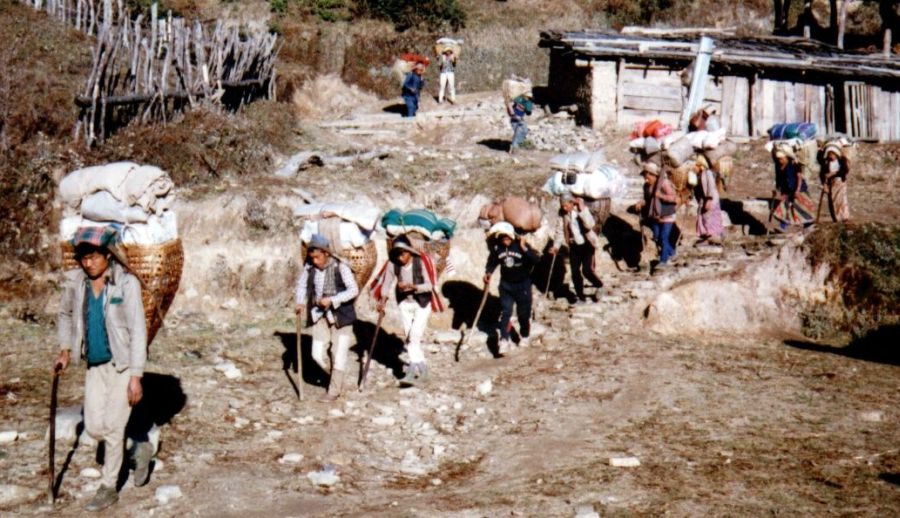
x=581, y=258
x=662, y=234
x=519, y=294
x=412, y=104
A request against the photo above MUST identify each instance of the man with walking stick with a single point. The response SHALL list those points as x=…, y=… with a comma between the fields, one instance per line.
x=326, y=292
x=412, y=276
x=516, y=260
x=101, y=316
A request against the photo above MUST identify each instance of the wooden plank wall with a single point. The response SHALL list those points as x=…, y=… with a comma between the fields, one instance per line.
x=749, y=107
x=735, y=113
x=782, y=101
x=648, y=92
x=872, y=113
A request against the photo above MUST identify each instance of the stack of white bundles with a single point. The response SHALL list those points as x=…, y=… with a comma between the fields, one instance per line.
x=352, y=236
x=366, y=216
x=605, y=181
x=703, y=139
x=578, y=162
x=134, y=198
x=358, y=221
x=594, y=178
x=678, y=148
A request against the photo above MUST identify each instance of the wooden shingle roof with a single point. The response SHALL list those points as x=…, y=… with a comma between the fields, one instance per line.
x=769, y=52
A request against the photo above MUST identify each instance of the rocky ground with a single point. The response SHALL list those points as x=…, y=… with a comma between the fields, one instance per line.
x=599, y=414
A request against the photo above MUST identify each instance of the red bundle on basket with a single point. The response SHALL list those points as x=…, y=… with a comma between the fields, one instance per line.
x=415, y=58
x=655, y=128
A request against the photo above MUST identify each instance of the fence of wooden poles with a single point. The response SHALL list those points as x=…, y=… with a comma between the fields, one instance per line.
x=148, y=68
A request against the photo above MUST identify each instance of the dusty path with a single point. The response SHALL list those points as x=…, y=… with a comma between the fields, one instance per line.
x=724, y=425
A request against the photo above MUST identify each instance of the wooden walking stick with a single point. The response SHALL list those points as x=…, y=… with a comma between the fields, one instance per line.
x=299, y=356
x=550, y=275
x=365, y=372
x=464, y=339
x=819, y=208
x=51, y=444
x=771, y=213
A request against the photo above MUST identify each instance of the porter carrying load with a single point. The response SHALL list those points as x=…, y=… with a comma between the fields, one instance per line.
x=136, y=201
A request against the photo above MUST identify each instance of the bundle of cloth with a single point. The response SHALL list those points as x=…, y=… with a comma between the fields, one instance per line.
x=516, y=86
x=524, y=216
x=675, y=148
x=444, y=44
x=840, y=143
x=135, y=199
x=405, y=63
x=421, y=221
x=798, y=141
x=350, y=224
x=793, y=130
x=584, y=174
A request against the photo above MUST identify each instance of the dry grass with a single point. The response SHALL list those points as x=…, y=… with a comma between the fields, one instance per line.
x=328, y=97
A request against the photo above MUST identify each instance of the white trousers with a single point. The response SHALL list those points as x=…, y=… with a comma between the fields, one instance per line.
x=324, y=334
x=415, y=320
x=447, y=79
x=106, y=412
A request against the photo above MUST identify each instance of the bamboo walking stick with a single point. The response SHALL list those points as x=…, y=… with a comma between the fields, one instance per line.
x=51, y=443
x=550, y=275
x=819, y=208
x=465, y=336
x=365, y=372
x=299, y=356
x=771, y=213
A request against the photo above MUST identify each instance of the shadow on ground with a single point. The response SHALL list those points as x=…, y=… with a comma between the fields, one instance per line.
x=495, y=143
x=625, y=243
x=398, y=108
x=879, y=346
x=738, y=216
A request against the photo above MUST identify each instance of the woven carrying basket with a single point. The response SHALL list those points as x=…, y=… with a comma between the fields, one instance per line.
x=158, y=267
x=600, y=209
x=361, y=259
x=438, y=250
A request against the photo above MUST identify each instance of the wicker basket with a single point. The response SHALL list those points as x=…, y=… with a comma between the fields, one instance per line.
x=600, y=209
x=362, y=261
x=438, y=250
x=158, y=267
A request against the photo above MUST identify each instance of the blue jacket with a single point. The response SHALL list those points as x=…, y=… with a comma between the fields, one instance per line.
x=412, y=84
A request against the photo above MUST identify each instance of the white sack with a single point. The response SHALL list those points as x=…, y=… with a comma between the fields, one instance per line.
x=68, y=226
x=679, y=151
x=605, y=182
x=351, y=235
x=578, y=162
x=159, y=228
x=366, y=216
x=102, y=206
x=697, y=137
x=554, y=185
x=396, y=230
x=714, y=138
x=670, y=139
x=82, y=182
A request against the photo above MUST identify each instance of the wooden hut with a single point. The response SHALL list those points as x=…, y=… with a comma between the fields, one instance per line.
x=752, y=82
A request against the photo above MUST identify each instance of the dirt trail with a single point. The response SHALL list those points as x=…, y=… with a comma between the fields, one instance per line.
x=721, y=425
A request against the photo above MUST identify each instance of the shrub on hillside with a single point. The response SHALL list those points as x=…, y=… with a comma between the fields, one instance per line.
x=428, y=14
x=864, y=260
